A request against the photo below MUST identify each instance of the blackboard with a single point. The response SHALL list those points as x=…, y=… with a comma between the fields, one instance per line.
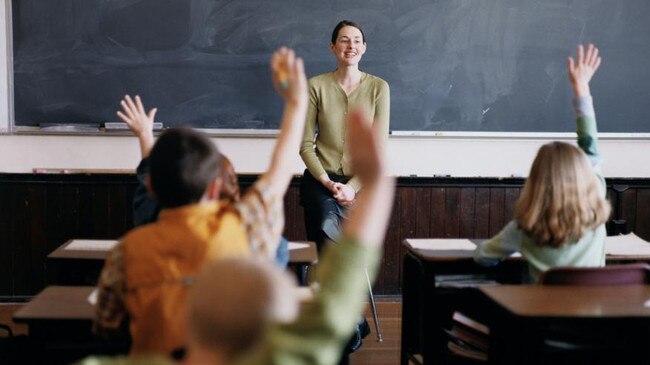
x=453, y=65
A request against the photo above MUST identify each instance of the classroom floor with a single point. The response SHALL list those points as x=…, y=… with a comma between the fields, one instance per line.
x=372, y=352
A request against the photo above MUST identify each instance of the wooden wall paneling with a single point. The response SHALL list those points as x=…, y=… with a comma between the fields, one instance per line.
x=628, y=209
x=642, y=226
x=422, y=212
x=100, y=212
x=38, y=242
x=55, y=227
x=291, y=218
x=6, y=243
x=497, y=201
x=28, y=239
x=511, y=196
x=406, y=226
x=130, y=193
x=452, y=212
x=467, y=212
x=118, y=208
x=389, y=281
x=437, y=226
x=85, y=219
x=482, y=213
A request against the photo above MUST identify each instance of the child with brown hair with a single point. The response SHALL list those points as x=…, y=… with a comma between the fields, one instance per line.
x=560, y=215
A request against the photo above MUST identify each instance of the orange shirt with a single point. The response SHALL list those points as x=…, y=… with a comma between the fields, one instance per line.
x=160, y=260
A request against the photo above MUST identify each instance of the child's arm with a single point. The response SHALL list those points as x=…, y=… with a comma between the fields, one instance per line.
x=504, y=244
x=580, y=73
x=324, y=325
x=290, y=82
x=145, y=207
x=262, y=208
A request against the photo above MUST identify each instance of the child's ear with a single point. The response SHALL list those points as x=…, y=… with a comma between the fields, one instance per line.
x=213, y=190
x=147, y=184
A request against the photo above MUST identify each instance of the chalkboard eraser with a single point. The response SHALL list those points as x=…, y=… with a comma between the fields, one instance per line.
x=63, y=127
x=437, y=175
x=120, y=126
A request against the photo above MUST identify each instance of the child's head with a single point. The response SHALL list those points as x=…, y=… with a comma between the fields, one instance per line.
x=183, y=164
x=561, y=196
x=230, y=316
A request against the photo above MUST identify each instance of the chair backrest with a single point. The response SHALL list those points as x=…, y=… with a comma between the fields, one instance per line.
x=609, y=275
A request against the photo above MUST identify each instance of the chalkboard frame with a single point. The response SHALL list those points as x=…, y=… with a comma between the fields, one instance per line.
x=11, y=126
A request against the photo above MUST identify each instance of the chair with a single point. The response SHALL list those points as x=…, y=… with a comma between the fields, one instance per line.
x=580, y=341
x=7, y=329
x=609, y=275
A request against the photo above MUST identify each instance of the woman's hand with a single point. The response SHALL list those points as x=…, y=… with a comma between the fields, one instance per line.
x=344, y=194
x=583, y=69
x=289, y=76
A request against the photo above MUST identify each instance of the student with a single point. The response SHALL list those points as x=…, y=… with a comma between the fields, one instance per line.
x=560, y=215
x=328, y=186
x=148, y=273
x=248, y=322
x=145, y=206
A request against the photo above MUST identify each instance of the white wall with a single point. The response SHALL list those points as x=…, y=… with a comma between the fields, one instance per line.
x=464, y=155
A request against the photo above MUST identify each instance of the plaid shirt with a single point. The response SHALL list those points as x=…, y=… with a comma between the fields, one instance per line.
x=262, y=215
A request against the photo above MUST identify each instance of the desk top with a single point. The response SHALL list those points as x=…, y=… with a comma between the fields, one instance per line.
x=83, y=249
x=303, y=255
x=58, y=303
x=98, y=249
x=571, y=301
x=618, y=248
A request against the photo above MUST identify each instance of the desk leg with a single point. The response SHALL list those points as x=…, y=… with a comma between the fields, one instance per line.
x=411, y=308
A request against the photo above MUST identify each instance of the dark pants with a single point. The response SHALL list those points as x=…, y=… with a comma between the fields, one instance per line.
x=323, y=214
x=323, y=220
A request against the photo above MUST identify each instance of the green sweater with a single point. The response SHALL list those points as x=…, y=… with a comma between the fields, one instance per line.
x=589, y=250
x=327, y=113
x=318, y=335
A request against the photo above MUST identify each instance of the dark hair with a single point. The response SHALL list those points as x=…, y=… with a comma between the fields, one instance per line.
x=346, y=23
x=183, y=163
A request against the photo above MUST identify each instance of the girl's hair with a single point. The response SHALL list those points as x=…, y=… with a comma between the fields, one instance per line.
x=346, y=23
x=561, y=196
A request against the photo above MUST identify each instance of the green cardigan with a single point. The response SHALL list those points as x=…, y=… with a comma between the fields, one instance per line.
x=327, y=113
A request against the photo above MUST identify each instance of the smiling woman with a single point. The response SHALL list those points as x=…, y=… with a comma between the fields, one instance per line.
x=328, y=187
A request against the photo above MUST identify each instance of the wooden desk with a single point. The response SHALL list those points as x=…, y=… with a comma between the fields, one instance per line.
x=527, y=320
x=72, y=266
x=426, y=308
x=557, y=301
x=59, y=321
x=68, y=265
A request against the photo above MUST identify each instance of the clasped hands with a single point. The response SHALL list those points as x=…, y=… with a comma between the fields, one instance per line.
x=343, y=193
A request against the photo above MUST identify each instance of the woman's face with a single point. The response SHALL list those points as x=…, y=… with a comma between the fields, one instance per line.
x=349, y=46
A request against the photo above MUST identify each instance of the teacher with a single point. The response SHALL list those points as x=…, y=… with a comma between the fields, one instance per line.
x=327, y=187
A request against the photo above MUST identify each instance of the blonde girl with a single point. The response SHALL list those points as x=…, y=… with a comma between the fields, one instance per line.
x=560, y=215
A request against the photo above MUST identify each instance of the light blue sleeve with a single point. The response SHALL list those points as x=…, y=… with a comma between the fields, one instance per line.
x=504, y=244
x=588, y=135
x=586, y=128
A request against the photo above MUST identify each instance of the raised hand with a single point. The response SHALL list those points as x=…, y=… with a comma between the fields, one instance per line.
x=368, y=220
x=289, y=75
x=583, y=69
x=140, y=122
x=365, y=152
